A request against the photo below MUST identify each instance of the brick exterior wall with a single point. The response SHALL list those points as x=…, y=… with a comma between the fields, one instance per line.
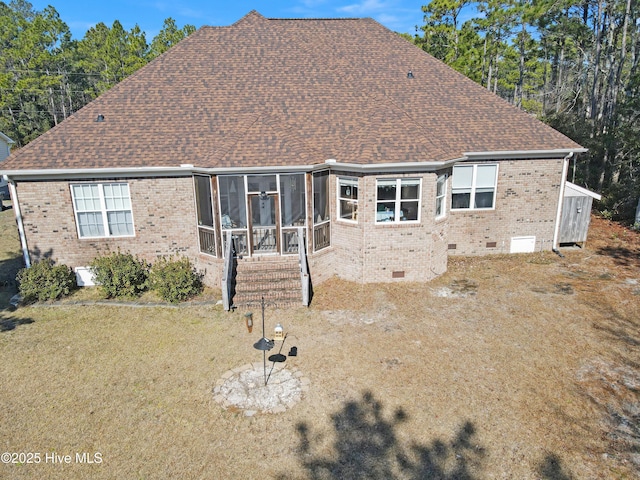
x=165, y=224
x=342, y=259
x=368, y=252
x=399, y=251
x=163, y=215
x=526, y=205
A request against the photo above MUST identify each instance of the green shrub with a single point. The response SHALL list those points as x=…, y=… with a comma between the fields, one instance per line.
x=45, y=281
x=120, y=275
x=606, y=214
x=175, y=280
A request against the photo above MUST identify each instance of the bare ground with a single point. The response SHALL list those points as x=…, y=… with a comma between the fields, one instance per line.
x=523, y=367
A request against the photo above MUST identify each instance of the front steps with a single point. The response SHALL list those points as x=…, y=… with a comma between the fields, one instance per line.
x=277, y=279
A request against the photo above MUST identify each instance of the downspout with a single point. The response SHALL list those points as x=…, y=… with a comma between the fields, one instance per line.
x=556, y=231
x=16, y=208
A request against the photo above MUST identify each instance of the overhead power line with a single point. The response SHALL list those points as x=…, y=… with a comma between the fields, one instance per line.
x=52, y=74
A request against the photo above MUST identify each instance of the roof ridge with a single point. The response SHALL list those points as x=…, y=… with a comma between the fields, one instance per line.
x=369, y=130
x=236, y=137
x=252, y=15
x=303, y=19
x=409, y=118
x=271, y=120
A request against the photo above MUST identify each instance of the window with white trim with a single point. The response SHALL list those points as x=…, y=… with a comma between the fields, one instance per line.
x=348, y=199
x=102, y=209
x=474, y=187
x=397, y=200
x=441, y=195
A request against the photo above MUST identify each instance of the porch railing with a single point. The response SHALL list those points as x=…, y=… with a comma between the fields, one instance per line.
x=321, y=236
x=207, y=239
x=290, y=241
x=239, y=240
x=264, y=240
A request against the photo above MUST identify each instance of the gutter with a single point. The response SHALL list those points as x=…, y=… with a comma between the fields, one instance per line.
x=189, y=169
x=78, y=173
x=563, y=182
x=523, y=154
x=18, y=213
x=184, y=170
x=393, y=167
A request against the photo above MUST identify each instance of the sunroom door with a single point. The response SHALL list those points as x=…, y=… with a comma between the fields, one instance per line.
x=264, y=228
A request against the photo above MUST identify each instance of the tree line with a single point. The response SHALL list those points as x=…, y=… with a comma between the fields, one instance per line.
x=46, y=76
x=573, y=64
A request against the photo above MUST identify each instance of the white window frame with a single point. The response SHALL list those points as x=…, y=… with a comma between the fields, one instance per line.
x=398, y=201
x=323, y=224
x=103, y=210
x=347, y=181
x=474, y=187
x=441, y=198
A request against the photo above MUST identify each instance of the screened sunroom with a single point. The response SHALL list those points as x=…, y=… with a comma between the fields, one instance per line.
x=264, y=213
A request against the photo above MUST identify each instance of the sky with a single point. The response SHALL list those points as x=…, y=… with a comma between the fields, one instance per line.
x=398, y=15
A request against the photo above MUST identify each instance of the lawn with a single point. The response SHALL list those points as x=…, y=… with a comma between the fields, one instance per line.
x=506, y=367
x=10, y=254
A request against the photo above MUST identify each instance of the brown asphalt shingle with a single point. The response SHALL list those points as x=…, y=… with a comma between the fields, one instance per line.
x=265, y=92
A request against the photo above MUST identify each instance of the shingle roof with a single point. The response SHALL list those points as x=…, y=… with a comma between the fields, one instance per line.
x=266, y=92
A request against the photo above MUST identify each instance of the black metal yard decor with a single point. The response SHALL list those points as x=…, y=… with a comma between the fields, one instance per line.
x=264, y=344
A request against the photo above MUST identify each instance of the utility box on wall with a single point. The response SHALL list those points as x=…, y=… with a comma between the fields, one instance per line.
x=84, y=277
x=523, y=244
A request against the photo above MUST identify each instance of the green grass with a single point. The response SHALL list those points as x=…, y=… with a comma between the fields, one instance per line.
x=10, y=255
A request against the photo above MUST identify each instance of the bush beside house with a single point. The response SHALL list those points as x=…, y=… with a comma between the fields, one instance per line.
x=45, y=281
x=175, y=280
x=124, y=275
x=120, y=275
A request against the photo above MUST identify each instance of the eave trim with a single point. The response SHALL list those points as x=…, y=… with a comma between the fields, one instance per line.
x=187, y=169
x=522, y=154
x=583, y=191
x=392, y=167
x=182, y=171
